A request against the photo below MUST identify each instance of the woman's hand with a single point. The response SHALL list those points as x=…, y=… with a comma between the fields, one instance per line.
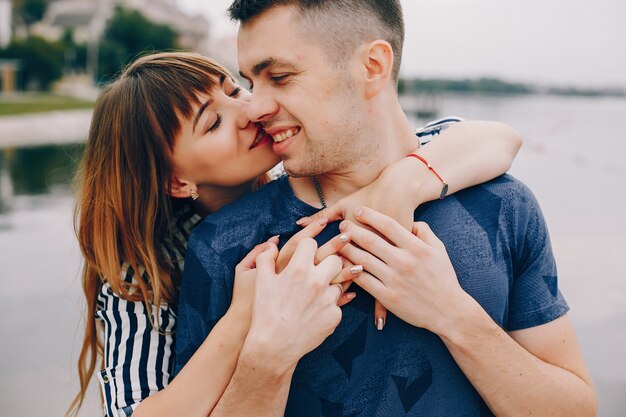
x=246, y=270
x=243, y=290
x=296, y=309
x=392, y=194
x=409, y=272
x=332, y=247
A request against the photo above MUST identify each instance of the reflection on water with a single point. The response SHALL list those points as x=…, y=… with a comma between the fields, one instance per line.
x=37, y=170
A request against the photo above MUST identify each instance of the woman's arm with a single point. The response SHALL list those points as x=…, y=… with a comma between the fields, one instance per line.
x=464, y=154
x=199, y=385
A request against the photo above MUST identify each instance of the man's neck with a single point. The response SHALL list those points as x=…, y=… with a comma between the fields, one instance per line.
x=394, y=139
x=213, y=198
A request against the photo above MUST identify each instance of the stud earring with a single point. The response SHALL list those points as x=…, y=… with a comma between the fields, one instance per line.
x=194, y=194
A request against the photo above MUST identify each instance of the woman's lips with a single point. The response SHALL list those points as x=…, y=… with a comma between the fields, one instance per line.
x=261, y=138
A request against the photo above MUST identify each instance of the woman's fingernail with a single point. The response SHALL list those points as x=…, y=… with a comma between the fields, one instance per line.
x=322, y=221
x=380, y=323
x=301, y=221
x=356, y=269
x=344, y=237
x=350, y=295
x=358, y=212
x=274, y=238
x=343, y=225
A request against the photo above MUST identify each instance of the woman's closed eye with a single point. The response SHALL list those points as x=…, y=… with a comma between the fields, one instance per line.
x=216, y=124
x=235, y=92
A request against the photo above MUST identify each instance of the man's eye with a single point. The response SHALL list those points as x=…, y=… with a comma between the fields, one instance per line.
x=279, y=78
x=235, y=92
x=218, y=122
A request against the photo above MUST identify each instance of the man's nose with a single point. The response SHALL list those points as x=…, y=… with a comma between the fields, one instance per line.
x=243, y=120
x=261, y=106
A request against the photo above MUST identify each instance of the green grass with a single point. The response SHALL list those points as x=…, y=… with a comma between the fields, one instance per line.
x=36, y=103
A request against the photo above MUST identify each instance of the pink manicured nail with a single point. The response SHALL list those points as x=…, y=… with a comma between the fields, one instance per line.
x=358, y=212
x=322, y=221
x=357, y=269
x=301, y=221
x=343, y=225
x=380, y=323
x=350, y=295
x=343, y=238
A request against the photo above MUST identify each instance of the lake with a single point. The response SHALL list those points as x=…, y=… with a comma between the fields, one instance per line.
x=574, y=159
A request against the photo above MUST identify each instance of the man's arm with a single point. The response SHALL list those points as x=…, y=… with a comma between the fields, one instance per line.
x=538, y=370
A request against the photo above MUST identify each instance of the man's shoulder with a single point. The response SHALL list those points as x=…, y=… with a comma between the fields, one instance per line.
x=510, y=190
x=241, y=222
x=499, y=197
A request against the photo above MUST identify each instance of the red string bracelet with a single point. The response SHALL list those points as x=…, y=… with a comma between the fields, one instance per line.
x=444, y=190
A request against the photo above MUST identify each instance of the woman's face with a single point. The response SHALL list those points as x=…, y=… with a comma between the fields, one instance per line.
x=219, y=146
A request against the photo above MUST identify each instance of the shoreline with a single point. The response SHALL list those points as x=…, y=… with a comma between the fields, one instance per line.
x=49, y=128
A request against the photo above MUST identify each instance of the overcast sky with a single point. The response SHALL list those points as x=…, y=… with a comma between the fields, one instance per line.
x=563, y=42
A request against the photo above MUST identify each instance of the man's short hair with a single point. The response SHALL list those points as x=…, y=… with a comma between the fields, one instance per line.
x=342, y=25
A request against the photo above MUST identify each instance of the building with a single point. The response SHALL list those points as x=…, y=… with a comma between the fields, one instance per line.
x=5, y=22
x=9, y=74
x=87, y=19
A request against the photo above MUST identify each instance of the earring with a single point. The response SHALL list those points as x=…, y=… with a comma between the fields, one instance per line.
x=194, y=194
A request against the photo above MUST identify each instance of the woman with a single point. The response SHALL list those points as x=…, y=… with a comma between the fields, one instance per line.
x=175, y=126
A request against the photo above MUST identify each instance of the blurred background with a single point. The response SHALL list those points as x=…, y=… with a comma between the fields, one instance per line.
x=553, y=69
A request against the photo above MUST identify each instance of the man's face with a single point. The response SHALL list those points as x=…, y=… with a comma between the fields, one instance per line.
x=305, y=102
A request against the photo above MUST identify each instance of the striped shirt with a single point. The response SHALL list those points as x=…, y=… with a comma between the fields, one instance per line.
x=138, y=358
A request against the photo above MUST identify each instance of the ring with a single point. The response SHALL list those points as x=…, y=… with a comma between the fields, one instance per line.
x=340, y=287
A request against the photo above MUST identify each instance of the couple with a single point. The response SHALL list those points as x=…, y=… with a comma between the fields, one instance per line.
x=478, y=326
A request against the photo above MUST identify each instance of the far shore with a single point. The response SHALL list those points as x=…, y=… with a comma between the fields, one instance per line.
x=49, y=128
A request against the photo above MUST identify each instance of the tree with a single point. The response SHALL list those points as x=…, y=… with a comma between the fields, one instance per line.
x=128, y=34
x=42, y=60
x=31, y=10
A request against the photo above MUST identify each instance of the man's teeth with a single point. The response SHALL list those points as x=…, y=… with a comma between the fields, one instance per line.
x=279, y=137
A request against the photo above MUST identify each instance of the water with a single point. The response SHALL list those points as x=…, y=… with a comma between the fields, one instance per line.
x=573, y=159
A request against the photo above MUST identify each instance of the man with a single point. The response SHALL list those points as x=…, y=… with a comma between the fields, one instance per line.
x=494, y=342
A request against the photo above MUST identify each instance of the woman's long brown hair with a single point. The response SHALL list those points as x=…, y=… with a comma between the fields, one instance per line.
x=124, y=209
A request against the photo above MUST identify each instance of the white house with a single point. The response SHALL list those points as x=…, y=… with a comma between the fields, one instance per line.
x=5, y=22
x=87, y=19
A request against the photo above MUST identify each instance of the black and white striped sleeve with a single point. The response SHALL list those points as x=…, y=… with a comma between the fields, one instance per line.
x=138, y=358
x=431, y=130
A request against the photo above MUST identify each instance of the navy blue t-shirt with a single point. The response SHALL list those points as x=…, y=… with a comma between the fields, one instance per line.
x=497, y=240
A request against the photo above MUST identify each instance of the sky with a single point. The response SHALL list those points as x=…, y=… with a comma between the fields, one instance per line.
x=578, y=43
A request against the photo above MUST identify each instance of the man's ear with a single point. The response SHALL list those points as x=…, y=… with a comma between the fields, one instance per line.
x=180, y=188
x=378, y=60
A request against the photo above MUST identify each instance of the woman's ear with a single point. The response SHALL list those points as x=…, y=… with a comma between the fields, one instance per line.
x=378, y=60
x=180, y=188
